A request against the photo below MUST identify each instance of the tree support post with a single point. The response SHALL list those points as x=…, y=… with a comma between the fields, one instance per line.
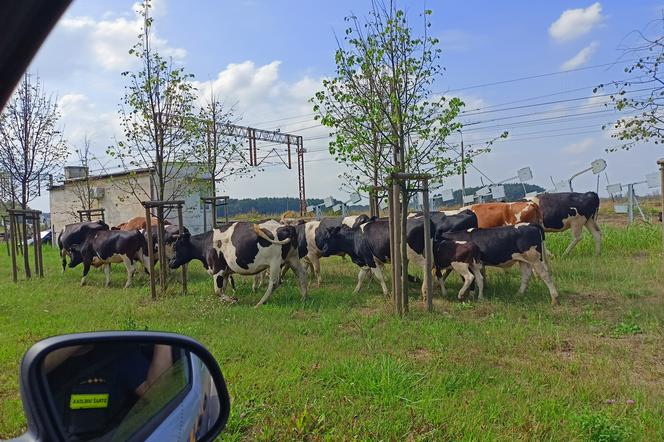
x=148, y=229
x=400, y=179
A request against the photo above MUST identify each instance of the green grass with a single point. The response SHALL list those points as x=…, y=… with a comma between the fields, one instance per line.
x=343, y=367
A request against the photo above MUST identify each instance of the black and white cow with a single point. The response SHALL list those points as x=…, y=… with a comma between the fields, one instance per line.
x=508, y=245
x=571, y=210
x=367, y=245
x=76, y=233
x=111, y=246
x=314, y=233
x=449, y=221
x=243, y=248
x=459, y=256
x=171, y=234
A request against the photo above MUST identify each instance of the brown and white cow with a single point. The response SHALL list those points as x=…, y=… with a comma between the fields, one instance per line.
x=111, y=246
x=505, y=214
x=138, y=223
x=243, y=248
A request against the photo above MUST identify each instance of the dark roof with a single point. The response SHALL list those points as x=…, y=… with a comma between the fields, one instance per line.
x=104, y=175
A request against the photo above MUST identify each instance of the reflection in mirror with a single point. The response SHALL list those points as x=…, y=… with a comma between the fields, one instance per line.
x=130, y=391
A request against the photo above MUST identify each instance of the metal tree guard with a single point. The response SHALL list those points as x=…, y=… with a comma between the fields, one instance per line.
x=214, y=202
x=88, y=214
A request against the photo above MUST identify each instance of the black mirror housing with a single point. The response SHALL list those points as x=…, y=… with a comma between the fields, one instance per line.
x=43, y=422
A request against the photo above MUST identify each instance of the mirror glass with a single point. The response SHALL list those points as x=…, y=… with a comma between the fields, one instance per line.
x=130, y=391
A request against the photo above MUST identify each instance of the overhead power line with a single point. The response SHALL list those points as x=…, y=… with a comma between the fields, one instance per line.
x=531, y=77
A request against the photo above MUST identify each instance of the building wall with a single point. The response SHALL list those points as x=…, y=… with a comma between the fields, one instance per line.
x=119, y=206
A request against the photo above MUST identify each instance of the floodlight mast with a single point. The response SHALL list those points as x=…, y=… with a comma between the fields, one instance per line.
x=596, y=166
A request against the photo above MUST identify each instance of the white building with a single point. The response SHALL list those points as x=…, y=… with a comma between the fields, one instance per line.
x=120, y=193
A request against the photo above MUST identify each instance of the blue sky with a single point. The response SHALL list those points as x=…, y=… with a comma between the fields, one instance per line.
x=269, y=58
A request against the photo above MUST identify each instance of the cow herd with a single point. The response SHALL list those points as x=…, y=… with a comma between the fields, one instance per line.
x=464, y=241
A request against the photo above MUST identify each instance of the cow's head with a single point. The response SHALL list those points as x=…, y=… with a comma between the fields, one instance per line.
x=361, y=219
x=182, y=251
x=328, y=241
x=75, y=255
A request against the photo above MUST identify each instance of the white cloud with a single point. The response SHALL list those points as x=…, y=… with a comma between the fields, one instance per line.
x=81, y=118
x=110, y=38
x=579, y=147
x=458, y=40
x=264, y=99
x=581, y=58
x=574, y=23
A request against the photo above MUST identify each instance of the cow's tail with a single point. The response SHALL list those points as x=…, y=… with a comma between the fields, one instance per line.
x=142, y=254
x=262, y=234
x=544, y=251
x=63, y=252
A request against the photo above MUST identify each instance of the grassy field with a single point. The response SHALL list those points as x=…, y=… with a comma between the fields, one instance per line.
x=342, y=367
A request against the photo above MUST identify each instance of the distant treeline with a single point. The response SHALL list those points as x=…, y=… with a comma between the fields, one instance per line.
x=265, y=205
x=278, y=205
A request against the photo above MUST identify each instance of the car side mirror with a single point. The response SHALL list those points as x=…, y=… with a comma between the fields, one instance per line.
x=122, y=386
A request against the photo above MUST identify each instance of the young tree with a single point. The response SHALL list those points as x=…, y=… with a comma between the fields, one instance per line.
x=221, y=155
x=31, y=146
x=645, y=122
x=380, y=103
x=82, y=187
x=157, y=117
x=386, y=117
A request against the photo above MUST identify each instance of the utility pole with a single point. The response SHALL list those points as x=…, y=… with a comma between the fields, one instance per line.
x=463, y=169
x=660, y=162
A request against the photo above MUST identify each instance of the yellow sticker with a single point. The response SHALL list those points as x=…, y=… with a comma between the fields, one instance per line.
x=82, y=401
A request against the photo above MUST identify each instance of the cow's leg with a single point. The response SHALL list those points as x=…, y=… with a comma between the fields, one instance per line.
x=308, y=266
x=285, y=268
x=227, y=278
x=273, y=283
x=441, y=280
x=577, y=234
x=378, y=273
x=463, y=269
x=218, y=280
x=301, y=273
x=145, y=261
x=364, y=271
x=129, y=265
x=479, y=278
x=257, y=281
x=315, y=265
x=107, y=272
x=86, y=269
x=526, y=273
x=593, y=228
x=63, y=255
x=542, y=271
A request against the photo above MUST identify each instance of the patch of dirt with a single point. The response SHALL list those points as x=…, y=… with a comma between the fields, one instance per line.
x=420, y=354
x=372, y=310
x=640, y=255
x=304, y=315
